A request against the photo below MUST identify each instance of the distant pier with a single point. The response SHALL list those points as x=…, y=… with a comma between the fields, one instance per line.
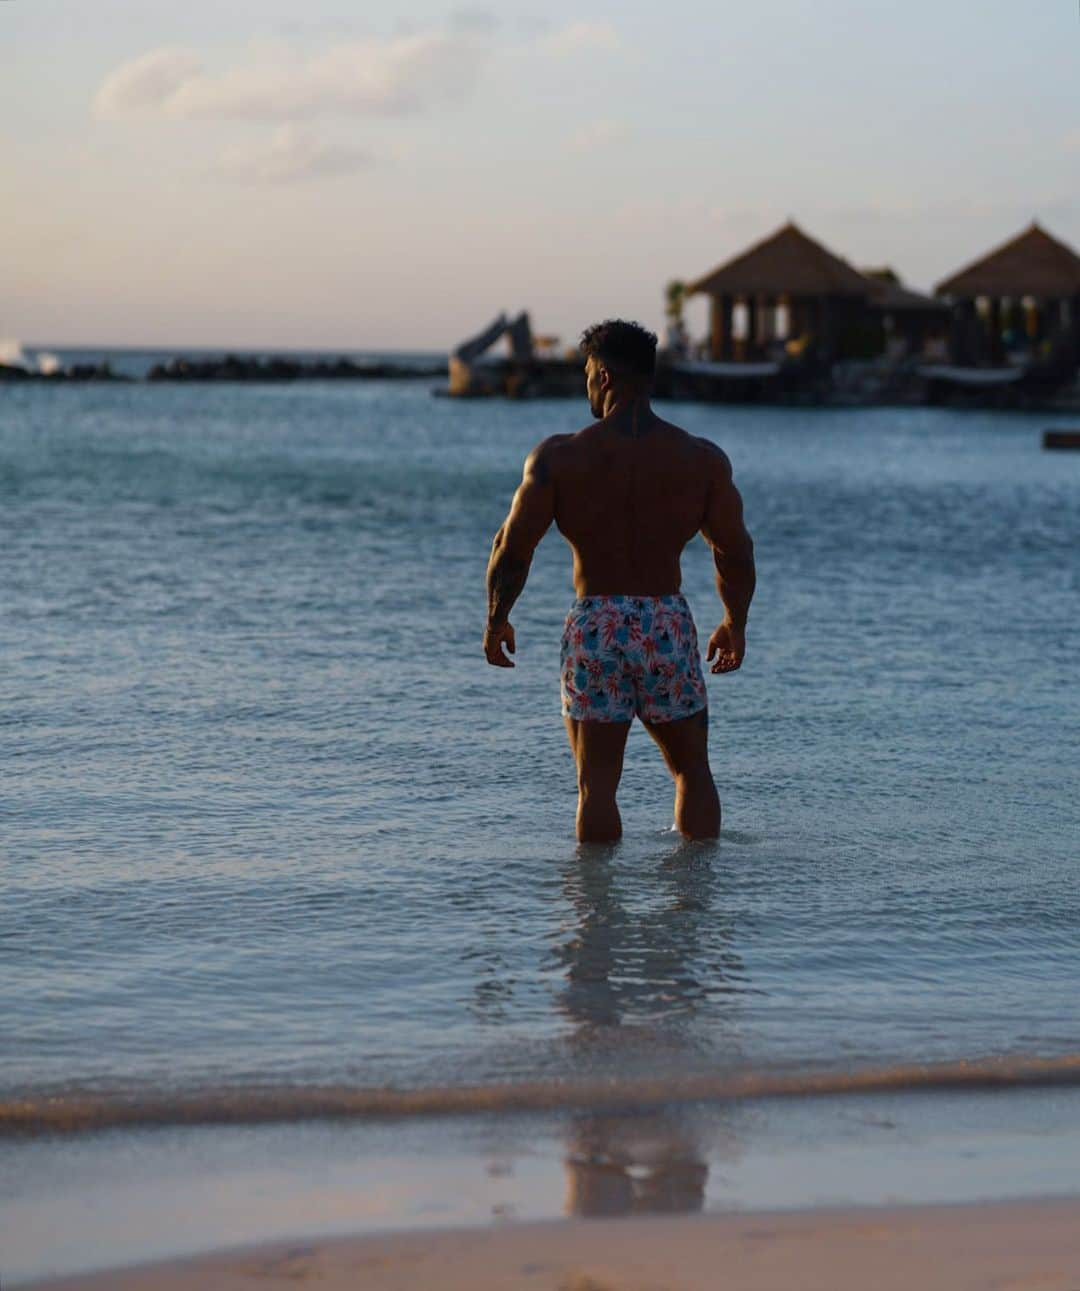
x=1061, y=439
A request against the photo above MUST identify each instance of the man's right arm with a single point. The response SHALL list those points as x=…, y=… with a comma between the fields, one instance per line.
x=531, y=512
x=733, y=556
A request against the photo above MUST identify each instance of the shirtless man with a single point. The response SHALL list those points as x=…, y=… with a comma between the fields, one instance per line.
x=628, y=493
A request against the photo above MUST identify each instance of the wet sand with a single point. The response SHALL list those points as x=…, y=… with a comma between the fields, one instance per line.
x=1017, y=1246
x=917, y=1186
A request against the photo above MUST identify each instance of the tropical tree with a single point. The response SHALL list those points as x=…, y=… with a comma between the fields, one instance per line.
x=675, y=298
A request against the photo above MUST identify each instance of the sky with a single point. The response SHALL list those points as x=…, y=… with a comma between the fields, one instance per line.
x=342, y=175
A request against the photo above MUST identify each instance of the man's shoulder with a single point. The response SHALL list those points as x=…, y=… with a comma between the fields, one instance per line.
x=547, y=456
x=705, y=454
x=551, y=445
x=715, y=460
x=550, y=450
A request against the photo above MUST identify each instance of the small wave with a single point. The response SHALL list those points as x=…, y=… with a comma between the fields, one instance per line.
x=12, y=354
x=82, y=1113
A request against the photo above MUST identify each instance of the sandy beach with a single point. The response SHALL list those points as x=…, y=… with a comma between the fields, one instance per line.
x=649, y=1198
x=1008, y=1246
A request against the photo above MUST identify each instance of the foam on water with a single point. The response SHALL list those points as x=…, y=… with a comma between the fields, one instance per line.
x=256, y=1105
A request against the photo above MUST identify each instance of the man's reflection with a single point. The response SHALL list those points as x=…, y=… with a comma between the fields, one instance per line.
x=646, y=946
x=620, y=1165
x=647, y=951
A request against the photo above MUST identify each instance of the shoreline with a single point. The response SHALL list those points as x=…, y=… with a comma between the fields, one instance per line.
x=1012, y=1245
x=73, y=1113
x=854, y=384
x=72, y=1205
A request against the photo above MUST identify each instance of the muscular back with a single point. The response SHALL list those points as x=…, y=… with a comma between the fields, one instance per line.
x=628, y=500
x=628, y=493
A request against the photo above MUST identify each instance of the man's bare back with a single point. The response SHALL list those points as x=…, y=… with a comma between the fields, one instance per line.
x=628, y=498
x=628, y=492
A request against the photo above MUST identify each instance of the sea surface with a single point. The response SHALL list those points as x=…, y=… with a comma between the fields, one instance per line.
x=268, y=820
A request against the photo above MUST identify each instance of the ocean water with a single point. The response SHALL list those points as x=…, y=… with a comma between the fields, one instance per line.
x=268, y=820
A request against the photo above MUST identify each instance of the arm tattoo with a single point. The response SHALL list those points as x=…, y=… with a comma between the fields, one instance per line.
x=506, y=580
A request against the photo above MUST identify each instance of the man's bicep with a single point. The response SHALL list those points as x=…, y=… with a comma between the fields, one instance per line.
x=723, y=527
x=532, y=509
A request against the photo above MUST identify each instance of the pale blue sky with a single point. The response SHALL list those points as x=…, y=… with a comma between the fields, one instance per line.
x=317, y=173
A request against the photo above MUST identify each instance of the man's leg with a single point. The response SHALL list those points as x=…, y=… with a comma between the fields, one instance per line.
x=685, y=746
x=598, y=751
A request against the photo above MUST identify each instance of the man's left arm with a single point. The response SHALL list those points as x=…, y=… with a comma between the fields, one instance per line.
x=531, y=513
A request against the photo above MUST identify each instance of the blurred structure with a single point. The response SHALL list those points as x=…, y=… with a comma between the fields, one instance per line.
x=528, y=366
x=786, y=289
x=907, y=322
x=524, y=368
x=791, y=320
x=1018, y=306
x=676, y=341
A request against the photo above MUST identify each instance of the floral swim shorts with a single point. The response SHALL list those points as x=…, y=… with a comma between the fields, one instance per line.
x=623, y=655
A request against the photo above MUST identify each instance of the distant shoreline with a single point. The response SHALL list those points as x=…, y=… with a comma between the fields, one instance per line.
x=98, y=365
x=853, y=385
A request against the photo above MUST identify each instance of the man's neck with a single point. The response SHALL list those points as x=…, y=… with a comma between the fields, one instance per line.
x=629, y=413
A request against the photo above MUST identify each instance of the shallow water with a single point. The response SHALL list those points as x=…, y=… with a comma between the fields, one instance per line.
x=267, y=816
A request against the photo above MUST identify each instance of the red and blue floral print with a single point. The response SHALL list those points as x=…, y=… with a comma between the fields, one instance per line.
x=623, y=655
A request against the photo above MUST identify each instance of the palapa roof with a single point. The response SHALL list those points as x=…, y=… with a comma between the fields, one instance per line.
x=787, y=262
x=889, y=294
x=1032, y=264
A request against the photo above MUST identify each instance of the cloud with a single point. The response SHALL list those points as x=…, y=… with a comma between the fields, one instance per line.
x=293, y=154
x=581, y=37
x=371, y=77
x=597, y=135
x=146, y=82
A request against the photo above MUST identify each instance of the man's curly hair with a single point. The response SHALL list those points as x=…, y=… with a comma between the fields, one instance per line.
x=622, y=347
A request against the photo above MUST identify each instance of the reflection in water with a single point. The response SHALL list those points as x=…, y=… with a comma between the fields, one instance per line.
x=649, y=945
x=619, y=1165
x=648, y=948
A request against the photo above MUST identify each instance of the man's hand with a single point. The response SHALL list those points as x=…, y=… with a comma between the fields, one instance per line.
x=495, y=636
x=728, y=644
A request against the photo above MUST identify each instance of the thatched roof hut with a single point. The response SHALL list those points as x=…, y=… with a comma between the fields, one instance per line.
x=788, y=289
x=909, y=320
x=1024, y=295
x=1031, y=264
x=787, y=263
x=888, y=293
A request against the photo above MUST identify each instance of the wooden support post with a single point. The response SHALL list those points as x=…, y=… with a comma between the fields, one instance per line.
x=993, y=323
x=826, y=340
x=720, y=327
x=962, y=333
x=1032, y=323
x=763, y=334
x=798, y=318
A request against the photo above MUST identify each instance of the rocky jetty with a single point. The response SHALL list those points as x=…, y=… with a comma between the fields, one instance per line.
x=77, y=372
x=243, y=368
